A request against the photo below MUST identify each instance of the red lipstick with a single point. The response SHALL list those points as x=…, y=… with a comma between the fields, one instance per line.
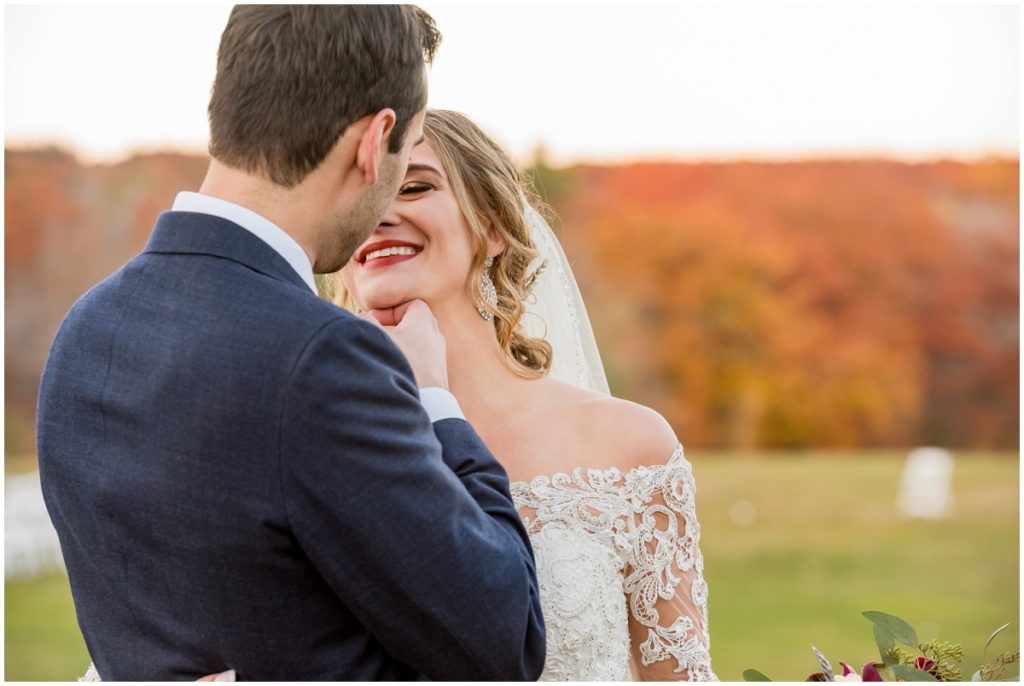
x=387, y=260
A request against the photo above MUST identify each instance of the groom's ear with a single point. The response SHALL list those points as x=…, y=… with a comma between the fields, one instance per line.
x=370, y=143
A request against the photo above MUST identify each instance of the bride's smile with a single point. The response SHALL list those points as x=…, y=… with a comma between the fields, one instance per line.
x=386, y=253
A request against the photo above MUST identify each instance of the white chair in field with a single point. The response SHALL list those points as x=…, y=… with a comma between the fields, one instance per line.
x=926, y=491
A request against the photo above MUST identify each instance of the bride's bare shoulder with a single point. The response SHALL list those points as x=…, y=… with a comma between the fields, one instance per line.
x=616, y=432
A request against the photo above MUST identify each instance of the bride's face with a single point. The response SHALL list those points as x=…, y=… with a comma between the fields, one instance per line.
x=422, y=248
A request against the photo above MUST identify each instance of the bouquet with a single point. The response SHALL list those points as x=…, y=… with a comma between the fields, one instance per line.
x=928, y=661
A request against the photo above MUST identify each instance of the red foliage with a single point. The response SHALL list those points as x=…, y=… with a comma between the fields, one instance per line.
x=823, y=303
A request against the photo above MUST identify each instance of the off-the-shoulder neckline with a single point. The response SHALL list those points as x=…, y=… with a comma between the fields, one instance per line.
x=614, y=473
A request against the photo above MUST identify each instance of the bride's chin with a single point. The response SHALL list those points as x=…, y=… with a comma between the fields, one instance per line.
x=387, y=302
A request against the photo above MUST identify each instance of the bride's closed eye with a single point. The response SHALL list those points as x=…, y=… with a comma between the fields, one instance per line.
x=415, y=188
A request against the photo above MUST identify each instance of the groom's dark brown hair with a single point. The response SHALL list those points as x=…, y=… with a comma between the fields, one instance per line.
x=291, y=79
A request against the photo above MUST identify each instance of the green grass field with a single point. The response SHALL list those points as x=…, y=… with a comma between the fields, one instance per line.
x=41, y=637
x=825, y=543
x=828, y=544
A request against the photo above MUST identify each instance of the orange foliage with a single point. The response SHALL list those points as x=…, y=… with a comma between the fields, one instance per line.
x=828, y=303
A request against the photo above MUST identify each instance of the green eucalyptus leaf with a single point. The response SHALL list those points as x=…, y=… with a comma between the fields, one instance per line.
x=900, y=630
x=754, y=675
x=886, y=673
x=885, y=641
x=994, y=634
x=908, y=673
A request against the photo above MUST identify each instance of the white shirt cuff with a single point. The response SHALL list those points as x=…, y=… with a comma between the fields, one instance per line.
x=440, y=404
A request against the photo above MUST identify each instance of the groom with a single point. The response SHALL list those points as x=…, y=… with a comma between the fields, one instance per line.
x=244, y=476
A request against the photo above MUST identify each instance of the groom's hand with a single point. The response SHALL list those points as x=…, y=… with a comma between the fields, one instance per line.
x=223, y=676
x=414, y=330
x=390, y=316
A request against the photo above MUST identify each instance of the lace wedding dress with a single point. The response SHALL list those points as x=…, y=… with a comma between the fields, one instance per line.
x=621, y=573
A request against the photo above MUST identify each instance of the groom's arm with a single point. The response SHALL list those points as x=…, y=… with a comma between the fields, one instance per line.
x=459, y=443
x=418, y=536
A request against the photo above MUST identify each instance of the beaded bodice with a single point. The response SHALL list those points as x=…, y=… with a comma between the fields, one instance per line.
x=620, y=572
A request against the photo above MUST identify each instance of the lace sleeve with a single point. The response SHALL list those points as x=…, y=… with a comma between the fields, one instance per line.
x=664, y=577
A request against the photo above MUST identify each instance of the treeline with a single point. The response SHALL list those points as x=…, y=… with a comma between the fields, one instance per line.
x=823, y=303
x=828, y=303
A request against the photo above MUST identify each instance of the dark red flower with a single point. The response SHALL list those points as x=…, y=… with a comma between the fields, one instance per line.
x=927, y=665
x=870, y=672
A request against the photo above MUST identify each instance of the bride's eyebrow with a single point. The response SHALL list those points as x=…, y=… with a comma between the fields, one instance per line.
x=416, y=166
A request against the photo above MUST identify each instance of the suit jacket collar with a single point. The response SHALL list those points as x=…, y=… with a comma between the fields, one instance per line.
x=193, y=233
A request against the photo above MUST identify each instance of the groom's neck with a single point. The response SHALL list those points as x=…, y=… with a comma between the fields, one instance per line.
x=287, y=208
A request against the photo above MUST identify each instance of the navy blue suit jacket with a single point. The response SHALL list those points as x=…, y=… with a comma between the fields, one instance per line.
x=242, y=476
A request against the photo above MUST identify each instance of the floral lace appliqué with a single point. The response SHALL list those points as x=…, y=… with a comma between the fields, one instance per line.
x=603, y=540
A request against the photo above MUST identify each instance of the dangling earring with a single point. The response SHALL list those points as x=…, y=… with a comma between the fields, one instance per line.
x=488, y=291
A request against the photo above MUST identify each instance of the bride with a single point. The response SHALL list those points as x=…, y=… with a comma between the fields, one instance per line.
x=601, y=483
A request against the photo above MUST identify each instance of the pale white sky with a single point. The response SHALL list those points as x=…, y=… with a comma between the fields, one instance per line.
x=593, y=82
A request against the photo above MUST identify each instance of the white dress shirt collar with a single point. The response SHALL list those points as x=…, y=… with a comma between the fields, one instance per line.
x=261, y=227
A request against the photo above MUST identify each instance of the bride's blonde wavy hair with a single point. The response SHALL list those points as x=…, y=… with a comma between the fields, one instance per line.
x=490, y=192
